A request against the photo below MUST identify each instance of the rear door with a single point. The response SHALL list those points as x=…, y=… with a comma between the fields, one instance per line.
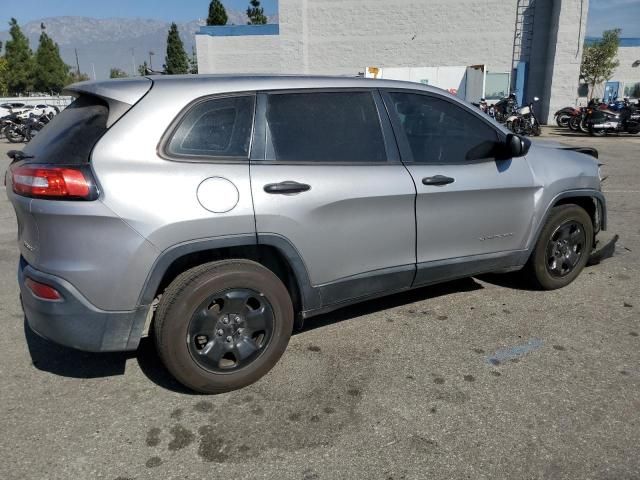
x=328, y=180
x=472, y=210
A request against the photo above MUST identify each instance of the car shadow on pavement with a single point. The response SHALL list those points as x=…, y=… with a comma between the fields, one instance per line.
x=390, y=301
x=67, y=362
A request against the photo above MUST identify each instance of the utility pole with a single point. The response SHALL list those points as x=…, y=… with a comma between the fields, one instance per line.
x=150, y=61
x=133, y=62
x=77, y=62
x=93, y=66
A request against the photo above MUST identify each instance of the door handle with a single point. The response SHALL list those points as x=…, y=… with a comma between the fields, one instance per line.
x=286, y=187
x=438, y=180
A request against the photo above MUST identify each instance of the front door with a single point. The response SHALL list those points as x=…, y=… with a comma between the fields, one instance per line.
x=472, y=211
x=330, y=183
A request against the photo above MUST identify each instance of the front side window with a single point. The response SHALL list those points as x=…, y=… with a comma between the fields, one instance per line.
x=440, y=132
x=324, y=127
x=218, y=127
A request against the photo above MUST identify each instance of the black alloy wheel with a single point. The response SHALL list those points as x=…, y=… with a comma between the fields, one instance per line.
x=230, y=329
x=565, y=249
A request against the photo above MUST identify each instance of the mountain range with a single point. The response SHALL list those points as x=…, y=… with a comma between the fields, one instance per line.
x=122, y=43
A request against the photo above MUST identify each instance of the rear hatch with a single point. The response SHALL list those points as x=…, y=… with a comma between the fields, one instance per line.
x=55, y=166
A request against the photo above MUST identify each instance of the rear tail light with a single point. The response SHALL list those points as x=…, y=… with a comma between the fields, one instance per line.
x=42, y=290
x=46, y=181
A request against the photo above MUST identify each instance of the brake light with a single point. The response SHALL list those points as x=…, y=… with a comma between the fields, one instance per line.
x=52, y=182
x=42, y=290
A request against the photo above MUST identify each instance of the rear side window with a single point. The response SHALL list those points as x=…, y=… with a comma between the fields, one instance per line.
x=215, y=128
x=72, y=134
x=324, y=127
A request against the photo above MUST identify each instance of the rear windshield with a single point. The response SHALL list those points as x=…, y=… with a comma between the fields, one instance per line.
x=71, y=135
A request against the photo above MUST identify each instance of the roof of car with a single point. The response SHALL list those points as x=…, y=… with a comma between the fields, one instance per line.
x=284, y=81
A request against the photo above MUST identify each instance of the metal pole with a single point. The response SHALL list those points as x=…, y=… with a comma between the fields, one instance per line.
x=77, y=62
x=133, y=62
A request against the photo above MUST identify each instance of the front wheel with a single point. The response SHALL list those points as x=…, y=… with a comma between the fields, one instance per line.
x=563, y=120
x=574, y=123
x=13, y=135
x=223, y=325
x=563, y=248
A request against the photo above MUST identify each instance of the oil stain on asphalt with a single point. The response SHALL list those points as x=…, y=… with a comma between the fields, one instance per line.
x=248, y=423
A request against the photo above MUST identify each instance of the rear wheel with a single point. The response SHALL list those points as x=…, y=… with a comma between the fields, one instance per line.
x=563, y=248
x=223, y=325
x=574, y=123
x=597, y=132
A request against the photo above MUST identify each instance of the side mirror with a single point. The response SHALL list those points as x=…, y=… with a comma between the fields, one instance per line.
x=516, y=146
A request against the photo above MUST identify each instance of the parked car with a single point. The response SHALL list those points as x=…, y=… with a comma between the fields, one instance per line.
x=38, y=111
x=217, y=213
x=7, y=109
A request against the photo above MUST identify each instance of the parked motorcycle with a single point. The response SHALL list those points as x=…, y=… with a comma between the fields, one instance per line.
x=18, y=129
x=14, y=128
x=564, y=115
x=36, y=123
x=603, y=122
x=505, y=107
x=524, y=121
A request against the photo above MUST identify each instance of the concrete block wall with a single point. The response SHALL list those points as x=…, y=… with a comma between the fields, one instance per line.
x=626, y=72
x=569, y=22
x=345, y=36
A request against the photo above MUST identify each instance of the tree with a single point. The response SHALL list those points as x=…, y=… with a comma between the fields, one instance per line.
x=193, y=63
x=117, y=73
x=4, y=86
x=19, y=60
x=599, y=59
x=256, y=13
x=217, y=13
x=176, y=61
x=75, y=77
x=50, y=72
x=143, y=69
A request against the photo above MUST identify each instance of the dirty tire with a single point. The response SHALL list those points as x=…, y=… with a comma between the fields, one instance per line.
x=537, y=269
x=186, y=294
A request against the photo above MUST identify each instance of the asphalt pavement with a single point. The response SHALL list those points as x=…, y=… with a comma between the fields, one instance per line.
x=476, y=379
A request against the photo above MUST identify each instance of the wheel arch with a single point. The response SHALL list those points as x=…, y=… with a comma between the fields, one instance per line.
x=592, y=201
x=272, y=251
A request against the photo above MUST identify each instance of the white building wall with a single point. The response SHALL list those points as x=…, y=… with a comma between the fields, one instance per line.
x=626, y=73
x=345, y=36
x=565, y=55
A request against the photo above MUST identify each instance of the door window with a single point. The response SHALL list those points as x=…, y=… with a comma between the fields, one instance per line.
x=440, y=132
x=215, y=128
x=324, y=127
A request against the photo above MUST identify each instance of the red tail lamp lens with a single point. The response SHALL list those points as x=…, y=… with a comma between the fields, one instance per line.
x=44, y=181
x=42, y=290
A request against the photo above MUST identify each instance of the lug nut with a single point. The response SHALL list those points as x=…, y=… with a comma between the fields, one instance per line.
x=225, y=320
x=229, y=339
x=219, y=332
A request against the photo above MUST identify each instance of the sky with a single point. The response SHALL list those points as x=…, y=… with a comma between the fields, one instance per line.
x=603, y=14
x=168, y=10
x=608, y=14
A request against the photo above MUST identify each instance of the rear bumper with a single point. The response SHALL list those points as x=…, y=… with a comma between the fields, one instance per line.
x=74, y=321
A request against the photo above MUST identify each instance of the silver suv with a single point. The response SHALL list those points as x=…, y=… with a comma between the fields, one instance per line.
x=216, y=213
